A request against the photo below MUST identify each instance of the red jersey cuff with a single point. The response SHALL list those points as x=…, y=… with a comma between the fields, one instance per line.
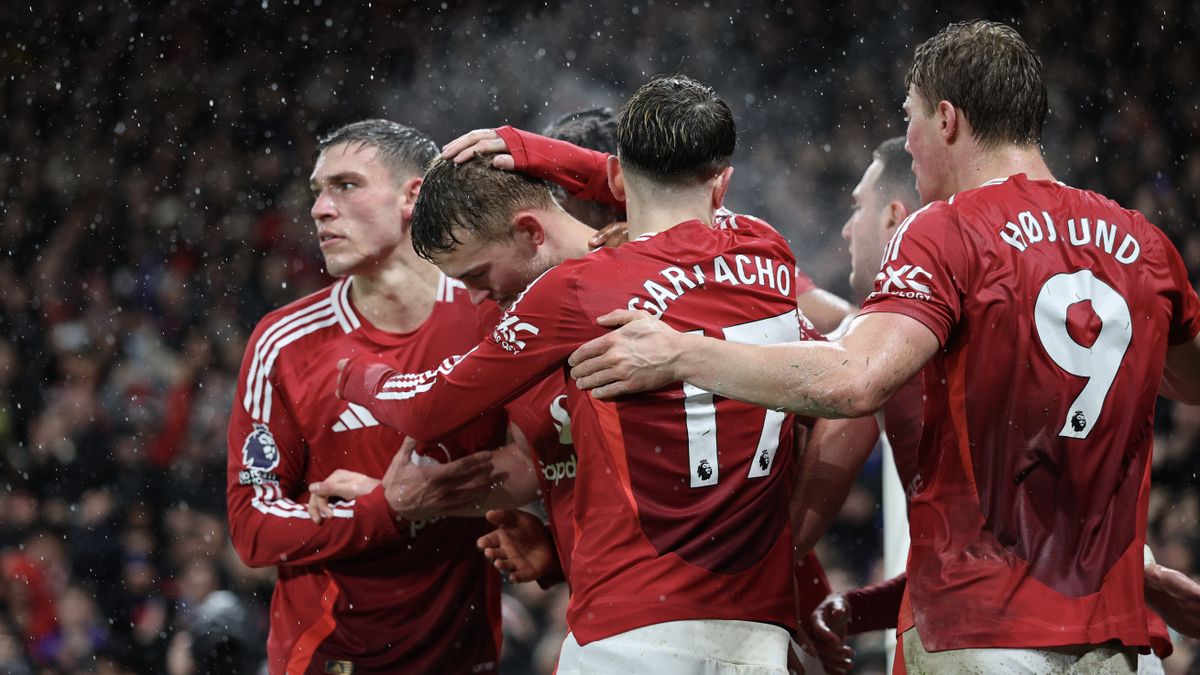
x=361, y=380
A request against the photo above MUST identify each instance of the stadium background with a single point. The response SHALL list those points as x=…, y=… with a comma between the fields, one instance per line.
x=154, y=201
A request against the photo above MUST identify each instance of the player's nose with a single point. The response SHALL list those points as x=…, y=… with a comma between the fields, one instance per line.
x=323, y=208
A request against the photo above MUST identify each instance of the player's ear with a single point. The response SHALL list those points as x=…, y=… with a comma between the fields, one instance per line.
x=408, y=196
x=894, y=214
x=616, y=178
x=721, y=187
x=949, y=121
x=528, y=230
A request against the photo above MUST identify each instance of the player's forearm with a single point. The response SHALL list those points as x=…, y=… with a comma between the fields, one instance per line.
x=875, y=607
x=270, y=531
x=416, y=404
x=582, y=172
x=818, y=379
x=1176, y=598
x=831, y=462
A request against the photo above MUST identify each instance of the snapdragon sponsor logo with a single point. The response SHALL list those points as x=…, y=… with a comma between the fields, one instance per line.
x=557, y=472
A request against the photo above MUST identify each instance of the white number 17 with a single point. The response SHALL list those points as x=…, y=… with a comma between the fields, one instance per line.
x=701, y=414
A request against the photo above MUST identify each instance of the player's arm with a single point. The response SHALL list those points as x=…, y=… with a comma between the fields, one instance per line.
x=265, y=478
x=416, y=492
x=582, y=172
x=1181, y=376
x=824, y=309
x=527, y=344
x=852, y=377
x=1175, y=597
x=832, y=459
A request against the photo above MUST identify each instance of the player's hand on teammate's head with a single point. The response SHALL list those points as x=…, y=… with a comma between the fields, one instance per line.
x=611, y=235
x=477, y=144
x=416, y=491
x=341, y=484
x=637, y=357
x=520, y=546
x=827, y=628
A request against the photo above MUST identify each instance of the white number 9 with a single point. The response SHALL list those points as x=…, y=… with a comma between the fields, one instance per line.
x=1098, y=363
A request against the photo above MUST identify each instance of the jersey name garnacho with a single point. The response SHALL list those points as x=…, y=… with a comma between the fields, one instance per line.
x=680, y=495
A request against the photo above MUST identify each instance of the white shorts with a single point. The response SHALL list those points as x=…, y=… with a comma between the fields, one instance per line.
x=708, y=647
x=1070, y=660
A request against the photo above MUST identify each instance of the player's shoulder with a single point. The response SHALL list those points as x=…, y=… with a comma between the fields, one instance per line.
x=724, y=219
x=325, y=311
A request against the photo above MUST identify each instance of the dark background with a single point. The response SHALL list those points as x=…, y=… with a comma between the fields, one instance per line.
x=153, y=189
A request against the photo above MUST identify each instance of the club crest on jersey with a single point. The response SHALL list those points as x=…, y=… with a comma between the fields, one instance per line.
x=260, y=451
x=508, y=333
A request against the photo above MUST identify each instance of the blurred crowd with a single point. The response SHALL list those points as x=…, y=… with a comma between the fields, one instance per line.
x=154, y=205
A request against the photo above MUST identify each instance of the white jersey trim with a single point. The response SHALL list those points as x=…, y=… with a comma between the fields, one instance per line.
x=334, y=309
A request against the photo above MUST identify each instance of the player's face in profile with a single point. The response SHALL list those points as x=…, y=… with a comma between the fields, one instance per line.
x=923, y=141
x=357, y=208
x=492, y=270
x=866, y=229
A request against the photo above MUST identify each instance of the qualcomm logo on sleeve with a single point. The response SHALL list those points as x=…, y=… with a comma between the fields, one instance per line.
x=905, y=281
x=507, y=333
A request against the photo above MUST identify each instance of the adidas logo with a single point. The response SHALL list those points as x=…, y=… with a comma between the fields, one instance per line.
x=355, y=417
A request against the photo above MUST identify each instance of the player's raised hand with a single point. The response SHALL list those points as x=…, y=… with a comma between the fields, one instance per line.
x=637, y=357
x=520, y=546
x=476, y=144
x=417, y=491
x=827, y=628
x=611, y=235
x=341, y=484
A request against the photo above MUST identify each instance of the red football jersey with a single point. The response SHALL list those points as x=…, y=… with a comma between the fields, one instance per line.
x=542, y=416
x=680, y=495
x=1054, y=308
x=363, y=587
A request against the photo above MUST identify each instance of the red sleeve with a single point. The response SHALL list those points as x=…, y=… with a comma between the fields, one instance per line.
x=1185, y=307
x=811, y=583
x=582, y=172
x=875, y=607
x=924, y=271
x=532, y=339
x=265, y=478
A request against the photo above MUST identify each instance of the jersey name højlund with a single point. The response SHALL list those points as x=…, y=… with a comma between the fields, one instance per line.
x=733, y=271
x=1077, y=232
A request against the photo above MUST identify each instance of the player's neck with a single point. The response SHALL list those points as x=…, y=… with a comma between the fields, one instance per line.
x=659, y=210
x=570, y=237
x=980, y=167
x=397, y=296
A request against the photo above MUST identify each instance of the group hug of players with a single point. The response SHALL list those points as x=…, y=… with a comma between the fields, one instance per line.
x=690, y=433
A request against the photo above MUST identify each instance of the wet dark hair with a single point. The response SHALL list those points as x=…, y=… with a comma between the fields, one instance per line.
x=594, y=129
x=402, y=148
x=990, y=73
x=675, y=129
x=475, y=197
x=897, y=179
